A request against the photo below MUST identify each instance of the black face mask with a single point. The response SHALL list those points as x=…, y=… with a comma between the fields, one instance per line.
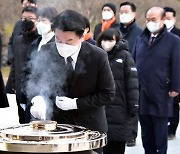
x=27, y=25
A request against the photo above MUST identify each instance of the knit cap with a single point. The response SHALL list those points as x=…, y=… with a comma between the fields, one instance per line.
x=111, y=5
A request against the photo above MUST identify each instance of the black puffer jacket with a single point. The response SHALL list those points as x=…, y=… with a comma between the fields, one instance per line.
x=125, y=103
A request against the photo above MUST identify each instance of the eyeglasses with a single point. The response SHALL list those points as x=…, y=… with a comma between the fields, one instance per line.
x=28, y=18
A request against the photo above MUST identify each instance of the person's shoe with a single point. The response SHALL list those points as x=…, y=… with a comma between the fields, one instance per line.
x=171, y=136
x=131, y=143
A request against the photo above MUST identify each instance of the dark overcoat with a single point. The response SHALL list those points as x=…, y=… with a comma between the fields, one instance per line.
x=130, y=33
x=18, y=71
x=158, y=71
x=176, y=31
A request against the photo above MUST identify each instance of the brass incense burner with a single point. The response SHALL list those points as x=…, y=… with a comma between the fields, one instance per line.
x=50, y=137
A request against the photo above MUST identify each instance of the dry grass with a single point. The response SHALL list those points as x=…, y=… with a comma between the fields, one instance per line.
x=5, y=72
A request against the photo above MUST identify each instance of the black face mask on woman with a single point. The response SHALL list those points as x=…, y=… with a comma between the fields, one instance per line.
x=27, y=25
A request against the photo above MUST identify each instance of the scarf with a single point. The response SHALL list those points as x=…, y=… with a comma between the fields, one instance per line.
x=87, y=36
x=107, y=24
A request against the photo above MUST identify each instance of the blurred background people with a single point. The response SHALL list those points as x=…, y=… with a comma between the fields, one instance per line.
x=21, y=48
x=108, y=19
x=17, y=29
x=128, y=25
x=125, y=103
x=170, y=20
x=170, y=15
x=157, y=63
x=87, y=36
x=130, y=30
x=16, y=32
x=44, y=27
x=26, y=3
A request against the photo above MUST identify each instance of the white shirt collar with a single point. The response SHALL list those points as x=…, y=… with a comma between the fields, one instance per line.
x=152, y=35
x=170, y=29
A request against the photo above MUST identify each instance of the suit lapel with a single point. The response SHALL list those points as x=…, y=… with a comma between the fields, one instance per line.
x=79, y=68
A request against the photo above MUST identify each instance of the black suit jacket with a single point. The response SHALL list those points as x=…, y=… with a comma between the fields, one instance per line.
x=176, y=31
x=92, y=83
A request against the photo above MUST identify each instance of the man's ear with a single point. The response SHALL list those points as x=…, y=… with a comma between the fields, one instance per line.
x=134, y=13
x=82, y=37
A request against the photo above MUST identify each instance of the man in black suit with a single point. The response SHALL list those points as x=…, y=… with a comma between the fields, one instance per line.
x=170, y=21
x=71, y=76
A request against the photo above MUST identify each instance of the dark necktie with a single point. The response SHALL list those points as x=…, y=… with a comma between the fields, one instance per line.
x=69, y=64
x=69, y=70
x=152, y=39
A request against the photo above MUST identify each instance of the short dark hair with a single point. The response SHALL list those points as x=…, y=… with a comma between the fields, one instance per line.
x=31, y=1
x=108, y=34
x=132, y=5
x=48, y=12
x=87, y=23
x=30, y=9
x=70, y=20
x=170, y=9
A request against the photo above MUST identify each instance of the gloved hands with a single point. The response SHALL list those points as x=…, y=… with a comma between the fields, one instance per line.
x=38, y=109
x=66, y=103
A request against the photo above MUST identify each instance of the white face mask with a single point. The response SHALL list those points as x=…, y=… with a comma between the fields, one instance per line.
x=66, y=50
x=107, y=15
x=43, y=28
x=125, y=18
x=108, y=45
x=153, y=26
x=169, y=23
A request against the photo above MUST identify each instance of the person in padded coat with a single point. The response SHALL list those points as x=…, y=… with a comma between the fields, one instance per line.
x=125, y=103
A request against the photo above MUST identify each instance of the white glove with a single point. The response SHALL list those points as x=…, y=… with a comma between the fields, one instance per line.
x=38, y=110
x=66, y=103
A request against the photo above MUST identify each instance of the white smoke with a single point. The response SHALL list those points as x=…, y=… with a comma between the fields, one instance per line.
x=45, y=75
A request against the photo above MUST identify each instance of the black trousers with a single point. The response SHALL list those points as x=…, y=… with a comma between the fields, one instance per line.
x=174, y=121
x=154, y=132
x=114, y=148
